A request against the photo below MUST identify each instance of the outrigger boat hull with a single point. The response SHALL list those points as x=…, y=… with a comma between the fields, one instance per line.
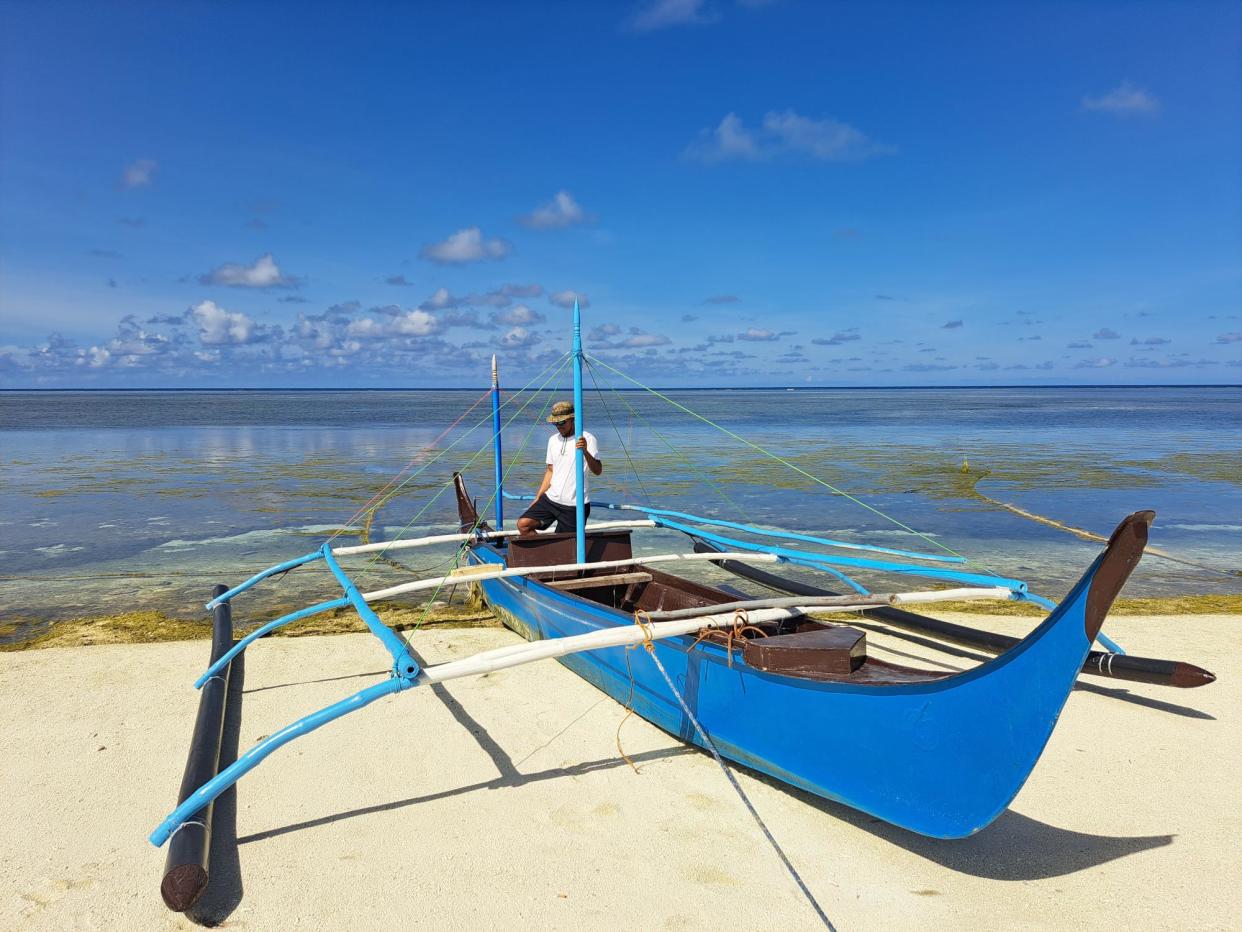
x=938, y=754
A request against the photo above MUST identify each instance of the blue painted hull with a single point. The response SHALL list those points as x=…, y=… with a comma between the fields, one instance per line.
x=941, y=758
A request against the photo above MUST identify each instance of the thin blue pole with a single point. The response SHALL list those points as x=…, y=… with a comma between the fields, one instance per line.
x=500, y=476
x=252, y=758
x=580, y=504
x=259, y=577
x=268, y=628
x=783, y=535
x=809, y=558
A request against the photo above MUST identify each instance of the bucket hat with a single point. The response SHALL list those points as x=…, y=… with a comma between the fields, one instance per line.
x=561, y=411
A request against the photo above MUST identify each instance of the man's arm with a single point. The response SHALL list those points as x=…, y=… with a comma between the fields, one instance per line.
x=547, y=481
x=592, y=463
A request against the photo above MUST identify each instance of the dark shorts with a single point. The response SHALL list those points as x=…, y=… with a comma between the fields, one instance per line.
x=544, y=511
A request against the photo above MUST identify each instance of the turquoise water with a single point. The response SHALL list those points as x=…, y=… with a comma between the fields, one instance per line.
x=190, y=488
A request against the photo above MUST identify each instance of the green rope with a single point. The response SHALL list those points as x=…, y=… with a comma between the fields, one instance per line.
x=487, y=417
x=478, y=519
x=564, y=360
x=781, y=460
x=616, y=430
x=738, y=508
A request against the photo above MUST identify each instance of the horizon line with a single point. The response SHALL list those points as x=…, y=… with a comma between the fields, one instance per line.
x=682, y=388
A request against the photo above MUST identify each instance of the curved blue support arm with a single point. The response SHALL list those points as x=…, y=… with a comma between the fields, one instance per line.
x=259, y=577
x=849, y=581
x=255, y=756
x=764, y=532
x=404, y=663
x=259, y=632
x=784, y=535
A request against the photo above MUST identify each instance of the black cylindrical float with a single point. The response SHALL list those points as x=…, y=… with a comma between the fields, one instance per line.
x=1098, y=663
x=189, y=848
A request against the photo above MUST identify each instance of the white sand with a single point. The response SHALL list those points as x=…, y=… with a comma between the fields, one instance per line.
x=502, y=802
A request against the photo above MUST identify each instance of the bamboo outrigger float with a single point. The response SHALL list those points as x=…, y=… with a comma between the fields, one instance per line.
x=763, y=683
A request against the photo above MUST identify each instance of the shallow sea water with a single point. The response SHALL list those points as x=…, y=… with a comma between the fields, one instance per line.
x=116, y=501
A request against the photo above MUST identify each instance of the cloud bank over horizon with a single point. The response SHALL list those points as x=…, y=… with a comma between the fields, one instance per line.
x=845, y=204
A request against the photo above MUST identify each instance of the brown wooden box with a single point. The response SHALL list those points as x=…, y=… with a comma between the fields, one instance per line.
x=839, y=650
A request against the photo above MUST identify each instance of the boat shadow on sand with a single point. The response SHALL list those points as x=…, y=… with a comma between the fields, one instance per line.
x=1014, y=847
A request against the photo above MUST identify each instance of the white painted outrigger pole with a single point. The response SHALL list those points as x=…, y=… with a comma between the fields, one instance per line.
x=580, y=503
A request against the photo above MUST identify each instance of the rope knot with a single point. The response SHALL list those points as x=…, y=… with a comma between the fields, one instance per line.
x=645, y=627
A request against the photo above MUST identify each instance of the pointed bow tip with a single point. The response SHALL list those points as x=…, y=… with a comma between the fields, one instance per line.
x=1188, y=676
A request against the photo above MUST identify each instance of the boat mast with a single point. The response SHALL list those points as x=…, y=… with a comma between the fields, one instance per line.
x=500, y=477
x=580, y=503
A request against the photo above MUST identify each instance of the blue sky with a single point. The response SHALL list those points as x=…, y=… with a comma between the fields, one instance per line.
x=745, y=193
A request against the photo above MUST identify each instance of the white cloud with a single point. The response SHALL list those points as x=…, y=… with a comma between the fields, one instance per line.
x=518, y=315
x=1229, y=338
x=216, y=326
x=468, y=245
x=784, y=133
x=643, y=340
x=561, y=211
x=603, y=332
x=826, y=139
x=416, y=323
x=755, y=335
x=139, y=174
x=365, y=328
x=567, y=298
x=441, y=299
x=264, y=273
x=660, y=14
x=1123, y=100
x=729, y=140
x=519, y=336
x=1101, y=362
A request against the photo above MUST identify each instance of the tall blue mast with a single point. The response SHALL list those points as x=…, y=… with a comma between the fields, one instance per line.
x=500, y=476
x=580, y=504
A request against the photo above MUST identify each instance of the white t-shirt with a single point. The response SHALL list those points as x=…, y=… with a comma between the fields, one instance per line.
x=563, y=489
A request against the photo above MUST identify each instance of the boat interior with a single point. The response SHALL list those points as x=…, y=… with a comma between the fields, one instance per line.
x=798, y=646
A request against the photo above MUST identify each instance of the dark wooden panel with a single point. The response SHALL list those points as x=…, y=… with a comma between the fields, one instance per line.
x=553, y=549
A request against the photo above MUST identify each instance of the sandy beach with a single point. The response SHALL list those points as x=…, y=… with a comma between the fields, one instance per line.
x=503, y=802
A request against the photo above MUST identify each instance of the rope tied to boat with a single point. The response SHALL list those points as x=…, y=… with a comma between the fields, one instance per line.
x=708, y=743
x=645, y=627
x=649, y=644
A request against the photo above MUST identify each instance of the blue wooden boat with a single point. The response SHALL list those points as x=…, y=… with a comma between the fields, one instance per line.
x=937, y=753
x=759, y=681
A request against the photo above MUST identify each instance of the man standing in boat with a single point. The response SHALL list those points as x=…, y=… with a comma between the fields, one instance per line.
x=558, y=492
